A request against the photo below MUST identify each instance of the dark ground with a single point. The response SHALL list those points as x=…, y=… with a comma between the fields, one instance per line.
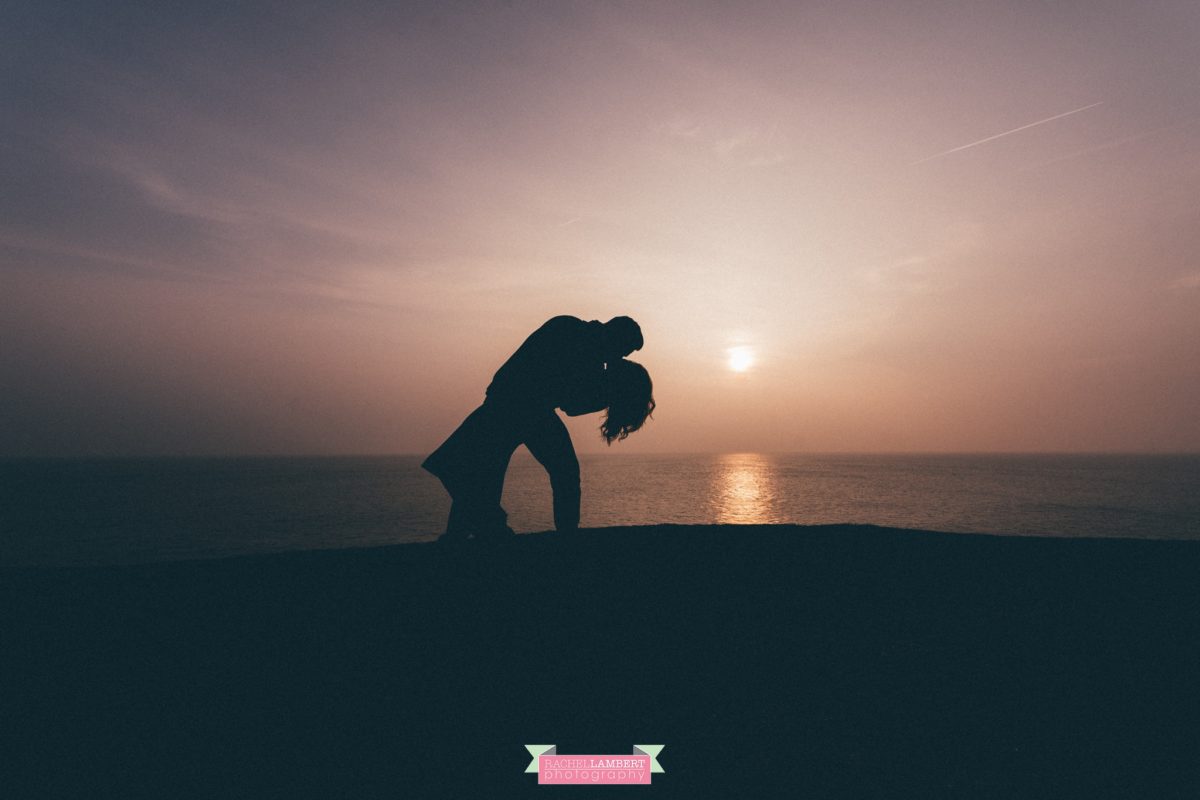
x=771, y=661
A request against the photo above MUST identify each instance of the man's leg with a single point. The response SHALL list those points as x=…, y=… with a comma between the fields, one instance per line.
x=550, y=443
x=489, y=517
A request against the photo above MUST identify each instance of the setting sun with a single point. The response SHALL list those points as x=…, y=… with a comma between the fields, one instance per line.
x=741, y=358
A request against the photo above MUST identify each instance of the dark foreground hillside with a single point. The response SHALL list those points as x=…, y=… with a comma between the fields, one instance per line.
x=771, y=661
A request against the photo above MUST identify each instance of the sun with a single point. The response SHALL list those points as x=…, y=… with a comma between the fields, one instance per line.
x=741, y=358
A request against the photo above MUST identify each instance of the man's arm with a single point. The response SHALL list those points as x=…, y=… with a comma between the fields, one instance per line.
x=550, y=443
x=584, y=394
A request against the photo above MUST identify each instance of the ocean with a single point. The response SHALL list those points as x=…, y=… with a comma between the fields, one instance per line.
x=112, y=511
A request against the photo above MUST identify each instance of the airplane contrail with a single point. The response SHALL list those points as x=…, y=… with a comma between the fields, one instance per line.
x=1137, y=137
x=1006, y=133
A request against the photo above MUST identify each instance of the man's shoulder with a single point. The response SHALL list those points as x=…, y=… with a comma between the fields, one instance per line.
x=566, y=325
x=565, y=334
x=564, y=321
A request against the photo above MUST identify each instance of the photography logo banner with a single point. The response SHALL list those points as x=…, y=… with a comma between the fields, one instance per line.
x=631, y=769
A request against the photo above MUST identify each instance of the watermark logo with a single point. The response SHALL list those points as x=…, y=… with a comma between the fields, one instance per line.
x=631, y=769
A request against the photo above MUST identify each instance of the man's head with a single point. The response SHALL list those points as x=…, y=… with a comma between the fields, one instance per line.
x=621, y=337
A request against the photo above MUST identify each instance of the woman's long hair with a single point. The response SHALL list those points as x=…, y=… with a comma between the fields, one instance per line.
x=630, y=400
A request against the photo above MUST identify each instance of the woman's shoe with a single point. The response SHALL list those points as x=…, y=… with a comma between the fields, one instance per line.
x=495, y=536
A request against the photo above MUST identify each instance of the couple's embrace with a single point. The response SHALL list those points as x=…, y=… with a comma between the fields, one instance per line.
x=567, y=364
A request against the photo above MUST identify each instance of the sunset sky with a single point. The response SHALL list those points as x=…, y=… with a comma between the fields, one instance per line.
x=283, y=228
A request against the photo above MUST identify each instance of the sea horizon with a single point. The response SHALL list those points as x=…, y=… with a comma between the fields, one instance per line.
x=129, y=509
x=607, y=453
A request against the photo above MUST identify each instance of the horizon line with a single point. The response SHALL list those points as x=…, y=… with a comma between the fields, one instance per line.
x=230, y=456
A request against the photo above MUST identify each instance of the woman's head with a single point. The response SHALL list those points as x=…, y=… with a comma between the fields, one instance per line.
x=630, y=400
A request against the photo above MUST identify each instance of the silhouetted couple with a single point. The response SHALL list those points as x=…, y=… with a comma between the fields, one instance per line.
x=566, y=364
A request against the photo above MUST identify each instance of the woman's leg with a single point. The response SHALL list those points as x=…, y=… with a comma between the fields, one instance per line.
x=476, y=510
x=471, y=465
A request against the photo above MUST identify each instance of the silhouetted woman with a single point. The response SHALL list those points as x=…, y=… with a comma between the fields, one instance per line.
x=520, y=409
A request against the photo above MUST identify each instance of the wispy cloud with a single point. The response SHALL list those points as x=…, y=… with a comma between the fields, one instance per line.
x=744, y=145
x=911, y=274
x=930, y=269
x=157, y=267
x=681, y=128
x=1191, y=281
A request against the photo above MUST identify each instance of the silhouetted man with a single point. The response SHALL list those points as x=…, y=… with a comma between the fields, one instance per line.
x=561, y=365
x=561, y=359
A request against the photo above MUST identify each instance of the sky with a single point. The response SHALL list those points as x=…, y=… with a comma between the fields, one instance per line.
x=294, y=228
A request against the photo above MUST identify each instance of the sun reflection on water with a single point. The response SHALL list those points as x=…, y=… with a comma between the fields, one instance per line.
x=744, y=491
